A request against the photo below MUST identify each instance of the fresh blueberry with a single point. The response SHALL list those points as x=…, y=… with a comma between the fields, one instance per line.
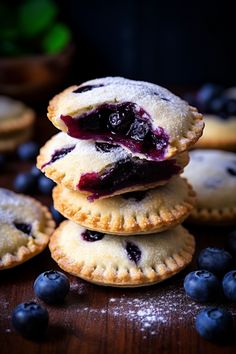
x=217, y=105
x=214, y=324
x=2, y=162
x=202, y=286
x=56, y=215
x=45, y=185
x=139, y=130
x=215, y=260
x=51, y=286
x=28, y=151
x=231, y=243
x=25, y=183
x=30, y=319
x=229, y=285
x=36, y=172
x=206, y=93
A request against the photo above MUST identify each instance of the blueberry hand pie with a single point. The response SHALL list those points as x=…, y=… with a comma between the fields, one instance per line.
x=213, y=176
x=147, y=120
x=25, y=227
x=140, y=212
x=103, y=169
x=121, y=261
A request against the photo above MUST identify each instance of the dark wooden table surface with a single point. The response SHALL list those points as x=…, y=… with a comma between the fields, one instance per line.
x=93, y=319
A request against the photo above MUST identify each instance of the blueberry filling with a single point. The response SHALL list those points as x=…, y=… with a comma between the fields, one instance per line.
x=126, y=173
x=231, y=171
x=105, y=147
x=92, y=236
x=125, y=124
x=137, y=196
x=133, y=252
x=25, y=228
x=59, y=154
x=86, y=88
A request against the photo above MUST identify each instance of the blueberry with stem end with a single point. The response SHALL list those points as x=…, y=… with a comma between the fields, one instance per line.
x=51, y=286
x=30, y=320
x=202, y=286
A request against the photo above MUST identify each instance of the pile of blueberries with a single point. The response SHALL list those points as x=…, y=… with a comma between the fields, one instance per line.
x=213, y=99
x=215, y=280
x=30, y=319
x=34, y=180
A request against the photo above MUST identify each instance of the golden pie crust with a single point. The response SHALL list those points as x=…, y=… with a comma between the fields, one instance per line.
x=105, y=262
x=15, y=252
x=212, y=174
x=160, y=209
x=182, y=123
x=85, y=158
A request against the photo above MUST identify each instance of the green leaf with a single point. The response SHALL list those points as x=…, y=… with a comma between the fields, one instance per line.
x=35, y=16
x=56, y=39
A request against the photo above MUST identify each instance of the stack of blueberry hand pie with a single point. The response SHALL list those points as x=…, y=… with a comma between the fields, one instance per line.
x=117, y=163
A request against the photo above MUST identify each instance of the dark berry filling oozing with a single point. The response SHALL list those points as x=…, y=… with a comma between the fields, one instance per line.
x=105, y=147
x=92, y=236
x=133, y=252
x=86, y=88
x=125, y=124
x=59, y=154
x=26, y=228
x=232, y=171
x=126, y=173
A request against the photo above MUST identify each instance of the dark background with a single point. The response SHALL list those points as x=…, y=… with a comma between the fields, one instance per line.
x=167, y=42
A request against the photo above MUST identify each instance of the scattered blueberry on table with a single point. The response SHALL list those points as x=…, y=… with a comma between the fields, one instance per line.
x=25, y=182
x=202, y=286
x=45, y=185
x=28, y=151
x=58, y=217
x=215, y=260
x=30, y=320
x=51, y=286
x=213, y=99
x=229, y=285
x=36, y=172
x=214, y=324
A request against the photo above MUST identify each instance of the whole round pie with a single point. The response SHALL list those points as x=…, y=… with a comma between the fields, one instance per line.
x=212, y=174
x=25, y=228
x=147, y=120
x=103, y=169
x=121, y=261
x=141, y=212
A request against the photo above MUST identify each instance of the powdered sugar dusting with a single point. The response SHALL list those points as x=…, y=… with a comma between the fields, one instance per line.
x=150, y=310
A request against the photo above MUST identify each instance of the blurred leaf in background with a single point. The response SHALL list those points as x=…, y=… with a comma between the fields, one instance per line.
x=32, y=28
